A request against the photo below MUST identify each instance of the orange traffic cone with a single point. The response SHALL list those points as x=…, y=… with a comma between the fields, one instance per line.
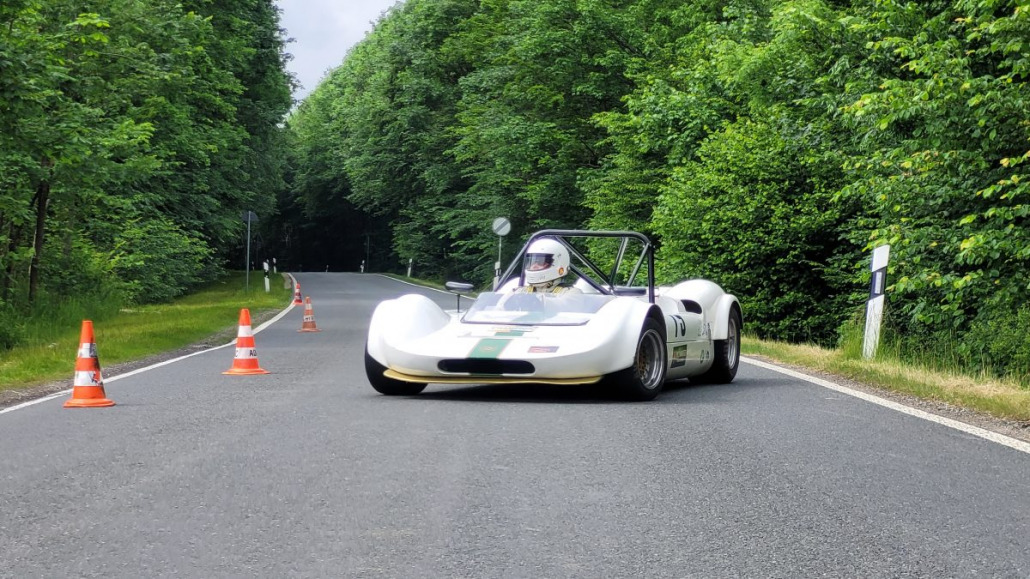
x=245, y=362
x=309, y=318
x=88, y=386
x=296, y=295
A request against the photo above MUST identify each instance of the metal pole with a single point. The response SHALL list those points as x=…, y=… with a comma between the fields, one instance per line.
x=497, y=265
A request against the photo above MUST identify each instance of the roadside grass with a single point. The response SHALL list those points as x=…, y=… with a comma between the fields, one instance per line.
x=1006, y=399
x=133, y=333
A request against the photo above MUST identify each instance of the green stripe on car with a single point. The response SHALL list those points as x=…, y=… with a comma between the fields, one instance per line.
x=488, y=348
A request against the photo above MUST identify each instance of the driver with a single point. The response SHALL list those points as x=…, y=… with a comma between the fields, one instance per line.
x=545, y=265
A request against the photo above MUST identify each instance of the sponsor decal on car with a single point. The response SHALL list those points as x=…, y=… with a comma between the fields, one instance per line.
x=679, y=357
x=513, y=331
x=476, y=331
x=543, y=349
x=488, y=348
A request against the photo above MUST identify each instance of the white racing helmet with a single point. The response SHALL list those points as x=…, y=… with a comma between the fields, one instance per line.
x=546, y=261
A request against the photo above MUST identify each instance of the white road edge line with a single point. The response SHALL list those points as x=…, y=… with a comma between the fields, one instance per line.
x=278, y=317
x=962, y=426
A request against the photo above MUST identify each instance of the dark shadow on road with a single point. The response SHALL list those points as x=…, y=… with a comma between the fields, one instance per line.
x=675, y=392
x=687, y=392
x=520, y=393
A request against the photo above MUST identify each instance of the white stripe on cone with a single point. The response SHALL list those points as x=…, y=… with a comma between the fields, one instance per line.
x=87, y=378
x=246, y=353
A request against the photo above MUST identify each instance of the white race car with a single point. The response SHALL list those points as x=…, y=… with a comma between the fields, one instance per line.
x=614, y=328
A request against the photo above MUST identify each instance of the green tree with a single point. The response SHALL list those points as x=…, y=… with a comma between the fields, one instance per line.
x=119, y=127
x=946, y=135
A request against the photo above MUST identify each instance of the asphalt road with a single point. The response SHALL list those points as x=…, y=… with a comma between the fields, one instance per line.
x=308, y=472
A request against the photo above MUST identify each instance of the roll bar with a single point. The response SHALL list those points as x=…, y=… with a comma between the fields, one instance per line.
x=607, y=280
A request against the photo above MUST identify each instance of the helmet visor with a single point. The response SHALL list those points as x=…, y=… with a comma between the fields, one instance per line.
x=537, y=261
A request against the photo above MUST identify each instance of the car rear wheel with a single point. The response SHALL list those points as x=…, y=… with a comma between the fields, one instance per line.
x=645, y=378
x=727, y=353
x=374, y=370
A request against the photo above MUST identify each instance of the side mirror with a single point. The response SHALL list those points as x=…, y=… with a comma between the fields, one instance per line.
x=458, y=288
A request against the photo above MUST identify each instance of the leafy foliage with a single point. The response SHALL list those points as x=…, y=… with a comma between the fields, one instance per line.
x=753, y=196
x=947, y=137
x=132, y=136
x=766, y=144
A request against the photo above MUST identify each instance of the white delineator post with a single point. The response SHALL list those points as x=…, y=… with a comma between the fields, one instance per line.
x=874, y=306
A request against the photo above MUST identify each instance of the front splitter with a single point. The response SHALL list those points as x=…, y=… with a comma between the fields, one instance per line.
x=489, y=379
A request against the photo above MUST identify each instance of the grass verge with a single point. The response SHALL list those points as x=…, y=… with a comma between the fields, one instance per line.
x=141, y=331
x=1000, y=398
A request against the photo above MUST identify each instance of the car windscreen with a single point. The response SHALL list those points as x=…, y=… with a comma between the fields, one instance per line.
x=536, y=309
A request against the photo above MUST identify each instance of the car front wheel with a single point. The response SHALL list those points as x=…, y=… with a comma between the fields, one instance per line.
x=374, y=370
x=646, y=377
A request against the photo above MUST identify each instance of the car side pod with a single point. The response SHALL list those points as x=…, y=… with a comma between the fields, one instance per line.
x=245, y=362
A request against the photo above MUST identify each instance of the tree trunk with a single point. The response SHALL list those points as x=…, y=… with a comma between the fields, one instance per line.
x=8, y=270
x=42, y=201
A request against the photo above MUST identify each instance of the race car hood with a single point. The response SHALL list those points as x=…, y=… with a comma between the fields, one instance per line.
x=413, y=336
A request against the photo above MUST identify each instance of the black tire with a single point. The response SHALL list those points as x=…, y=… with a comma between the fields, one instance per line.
x=388, y=386
x=727, y=353
x=646, y=377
